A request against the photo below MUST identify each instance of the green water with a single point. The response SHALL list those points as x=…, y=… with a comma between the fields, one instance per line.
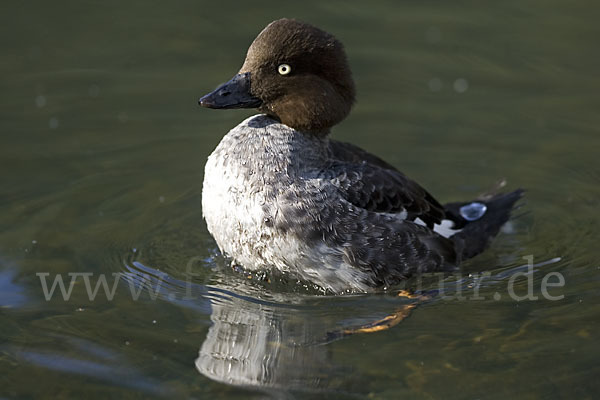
x=101, y=159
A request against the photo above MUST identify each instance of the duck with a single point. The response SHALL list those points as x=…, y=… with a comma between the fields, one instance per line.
x=279, y=194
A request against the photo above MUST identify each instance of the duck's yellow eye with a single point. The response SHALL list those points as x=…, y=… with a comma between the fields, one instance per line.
x=284, y=69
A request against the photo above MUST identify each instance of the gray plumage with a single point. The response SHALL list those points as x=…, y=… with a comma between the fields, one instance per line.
x=274, y=197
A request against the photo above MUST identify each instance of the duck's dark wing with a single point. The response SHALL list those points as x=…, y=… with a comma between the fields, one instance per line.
x=370, y=183
x=350, y=153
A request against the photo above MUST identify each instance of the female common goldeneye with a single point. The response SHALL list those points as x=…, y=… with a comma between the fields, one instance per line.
x=279, y=193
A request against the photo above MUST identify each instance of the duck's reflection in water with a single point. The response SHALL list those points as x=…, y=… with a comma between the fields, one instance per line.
x=263, y=344
x=276, y=342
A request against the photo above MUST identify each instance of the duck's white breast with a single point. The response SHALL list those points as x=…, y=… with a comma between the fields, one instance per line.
x=233, y=215
x=247, y=179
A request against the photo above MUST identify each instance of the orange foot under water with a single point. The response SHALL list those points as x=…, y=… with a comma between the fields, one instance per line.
x=384, y=323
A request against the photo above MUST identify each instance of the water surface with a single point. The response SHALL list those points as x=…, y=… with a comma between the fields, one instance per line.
x=103, y=147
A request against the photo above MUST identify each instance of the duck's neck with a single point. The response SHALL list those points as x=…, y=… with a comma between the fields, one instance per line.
x=269, y=148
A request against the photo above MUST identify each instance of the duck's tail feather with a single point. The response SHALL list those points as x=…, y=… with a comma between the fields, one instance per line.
x=479, y=221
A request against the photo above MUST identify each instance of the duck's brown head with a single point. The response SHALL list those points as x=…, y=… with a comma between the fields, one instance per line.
x=294, y=72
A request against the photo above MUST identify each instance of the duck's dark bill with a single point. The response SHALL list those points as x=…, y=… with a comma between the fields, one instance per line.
x=232, y=94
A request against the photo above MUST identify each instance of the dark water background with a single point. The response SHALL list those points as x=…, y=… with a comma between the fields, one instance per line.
x=101, y=159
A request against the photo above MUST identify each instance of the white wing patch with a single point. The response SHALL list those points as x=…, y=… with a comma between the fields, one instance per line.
x=444, y=229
